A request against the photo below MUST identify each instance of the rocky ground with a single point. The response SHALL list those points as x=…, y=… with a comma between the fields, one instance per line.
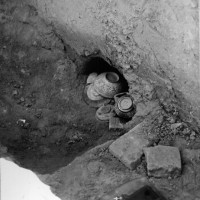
x=46, y=125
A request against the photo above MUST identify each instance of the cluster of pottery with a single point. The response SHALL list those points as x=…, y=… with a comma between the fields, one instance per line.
x=123, y=107
x=108, y=86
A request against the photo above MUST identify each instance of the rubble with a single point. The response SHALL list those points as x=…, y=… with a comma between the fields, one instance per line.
x=163, y=161
x=129, y=147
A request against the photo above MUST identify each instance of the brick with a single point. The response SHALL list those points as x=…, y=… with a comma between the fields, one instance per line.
x=114, y=123
x=129, y=147
x=163, y=161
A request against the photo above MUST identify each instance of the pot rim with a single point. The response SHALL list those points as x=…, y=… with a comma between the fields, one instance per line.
x=112, y=77
x=125, y=109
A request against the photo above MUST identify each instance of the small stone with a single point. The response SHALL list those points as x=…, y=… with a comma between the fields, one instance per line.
x=86, y=53
x=126, y=66
x=163, y=161
x=193, y=136
x=23, y=71
x=22, y=99
x=95, y=167
x=34, y=43
x=171, y=120
x=126, y=31
x=134, y=66
x=129, y=147
x=176, y=125
x=186, y=131
x=15, y=92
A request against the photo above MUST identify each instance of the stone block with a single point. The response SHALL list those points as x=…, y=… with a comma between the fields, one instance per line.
x=129, y=147
x=163, y=161
x=114, y=123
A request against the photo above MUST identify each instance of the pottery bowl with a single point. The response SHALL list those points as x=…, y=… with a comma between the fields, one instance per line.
x=108, y=84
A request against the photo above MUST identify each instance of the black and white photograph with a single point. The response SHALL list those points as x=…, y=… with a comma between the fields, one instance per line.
x=99, y=100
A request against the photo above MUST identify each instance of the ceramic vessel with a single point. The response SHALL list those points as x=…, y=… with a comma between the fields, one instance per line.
x=94, y=103
x=91, y=78
x=108, y=84
x=124, y=105
x=104, y=112
x=92, y=94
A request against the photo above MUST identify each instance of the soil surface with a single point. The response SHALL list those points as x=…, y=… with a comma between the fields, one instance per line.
x=44, y=121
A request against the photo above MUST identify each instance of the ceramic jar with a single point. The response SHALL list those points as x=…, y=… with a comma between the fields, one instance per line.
x=108, y=84
x=124, y=105
x=92, y=94
x=104, y=112
x=91, y=78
